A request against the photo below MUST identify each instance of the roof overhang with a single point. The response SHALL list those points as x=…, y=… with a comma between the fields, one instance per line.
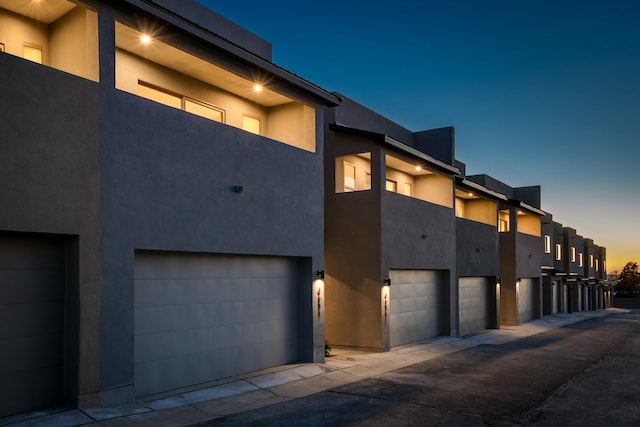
x=480, y=189
x=240, y=53
x=527, y=207
x=384, y=139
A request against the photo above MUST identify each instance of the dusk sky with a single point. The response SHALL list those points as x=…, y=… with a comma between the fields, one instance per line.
x=540, y=92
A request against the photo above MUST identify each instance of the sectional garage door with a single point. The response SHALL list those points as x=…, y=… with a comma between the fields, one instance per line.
x=415, y=305
x=526, y=300
x=474, y=304
x=32, y=287
x=203, y=317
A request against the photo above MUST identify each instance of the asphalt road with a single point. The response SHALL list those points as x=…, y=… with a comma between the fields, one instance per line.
x=585, y=374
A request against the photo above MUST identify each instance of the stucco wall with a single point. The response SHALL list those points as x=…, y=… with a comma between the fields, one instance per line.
x=476, y=249
x=168, y=183
x=49, y=182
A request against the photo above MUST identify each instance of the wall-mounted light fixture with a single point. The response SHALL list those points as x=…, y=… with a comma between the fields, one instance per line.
x=320, y=274
x=387, y=282
x=319, y=284
x=385, y=296
x=238, y=188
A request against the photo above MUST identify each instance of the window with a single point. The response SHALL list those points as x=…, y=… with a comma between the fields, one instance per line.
x=32, y=53
x=159, y=95
x=349, y=177
x=590, y=261
x=547, y=244
x=503, y=221
x=573, y=254
x=407, y=189
x=251, y=124
x=580, y=260
x=203, y=109
x=391, y=185
x=596, y=265
x=367, y=180
x=558, y=251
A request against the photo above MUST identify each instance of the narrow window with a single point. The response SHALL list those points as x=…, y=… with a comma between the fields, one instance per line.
x=32, y=53
x=503, y=221
x=251, y=124
x=573, y=254
x=391, y=185
x=547, y=244
x=407, y=189
x=596, y=265
x=349, y=177
x=203, y=109
x=558, y=251
x=590, y=261
x=1, y=47
x=580, y=260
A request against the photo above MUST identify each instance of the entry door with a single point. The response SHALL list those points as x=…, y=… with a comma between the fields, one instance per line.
x=201, y=317
x=415, y=306
x=32, y=280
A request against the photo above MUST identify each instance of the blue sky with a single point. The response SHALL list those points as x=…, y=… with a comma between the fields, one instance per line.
x=540, y=92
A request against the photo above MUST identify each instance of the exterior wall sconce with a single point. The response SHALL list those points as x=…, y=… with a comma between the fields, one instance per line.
x=320, y=274
x=238, y=188
x=319, y=284
x=385, y=295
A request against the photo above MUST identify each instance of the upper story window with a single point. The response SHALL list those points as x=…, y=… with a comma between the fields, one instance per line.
x=353, y=172
x=416, y=181
x=503, y=221
x=590, y=261
x=596, y=265
x=558, y=252
x=547, y=244
x=210, y=90
x=573, y=254
x=57, y=33
x=580, y=260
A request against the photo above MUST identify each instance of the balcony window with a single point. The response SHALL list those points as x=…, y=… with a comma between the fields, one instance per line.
x=56, y=33
x=503, y=221
x=353, y=173
x=416, y=181
x=210, y=90
x=391, y=185
x=558, y=252
x=547, y=244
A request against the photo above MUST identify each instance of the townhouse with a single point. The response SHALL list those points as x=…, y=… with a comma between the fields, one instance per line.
x=162, y=198
x=179, y=209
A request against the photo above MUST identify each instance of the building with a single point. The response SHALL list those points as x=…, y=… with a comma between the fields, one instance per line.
x=162, y=202
x=390, y=240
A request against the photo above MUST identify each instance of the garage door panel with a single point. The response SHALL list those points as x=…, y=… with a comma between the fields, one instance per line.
x=31, y=322
x=203, y=317
x=415, y=301
x=526, y=300
x=473, y=304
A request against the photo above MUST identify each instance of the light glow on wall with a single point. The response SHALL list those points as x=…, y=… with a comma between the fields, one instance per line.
x=145, y=39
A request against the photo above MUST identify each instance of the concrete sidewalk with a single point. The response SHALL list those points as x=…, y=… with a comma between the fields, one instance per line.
x=270, y=386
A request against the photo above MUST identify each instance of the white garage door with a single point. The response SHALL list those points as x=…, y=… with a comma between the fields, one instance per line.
x=474, y=304
x=203, y=317
x=526, y=300
x=31, y=323
x=415, y=306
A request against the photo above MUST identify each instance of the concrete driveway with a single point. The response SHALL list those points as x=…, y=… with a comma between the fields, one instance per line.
x=584, y=374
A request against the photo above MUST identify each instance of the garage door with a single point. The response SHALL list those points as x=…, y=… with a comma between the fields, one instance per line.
x=31, y=323
x=526, y=300
x=474, y=304
x=414, y=306
x=204, y=317
x=554, y=297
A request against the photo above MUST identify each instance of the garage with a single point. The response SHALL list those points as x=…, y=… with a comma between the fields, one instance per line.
x=32, y=294
x=201, y=317
x=415, y=306
x=474, y=304
x=526, y=300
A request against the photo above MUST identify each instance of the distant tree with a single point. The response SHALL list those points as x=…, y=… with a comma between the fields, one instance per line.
x=629, y=281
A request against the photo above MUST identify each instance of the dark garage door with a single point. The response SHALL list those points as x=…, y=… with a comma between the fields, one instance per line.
x=200, y=317
x=31, y=323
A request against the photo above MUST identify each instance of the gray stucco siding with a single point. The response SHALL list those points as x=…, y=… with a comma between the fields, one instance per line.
x=169, y=183
x=477, y=248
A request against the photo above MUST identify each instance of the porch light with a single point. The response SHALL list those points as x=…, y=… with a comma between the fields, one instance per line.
x=257, y=87
x=320, y=274
x=418, y=168
x=145, y=39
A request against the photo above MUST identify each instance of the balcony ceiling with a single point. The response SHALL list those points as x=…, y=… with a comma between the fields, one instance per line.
x=43, y=11
x=171, y=57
